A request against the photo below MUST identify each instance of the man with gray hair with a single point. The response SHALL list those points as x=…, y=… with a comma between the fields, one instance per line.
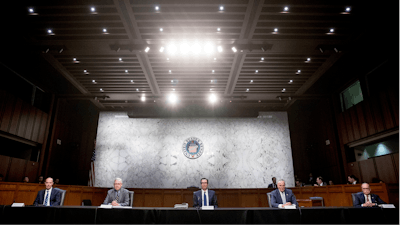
x=117, y=196
x=282, y=197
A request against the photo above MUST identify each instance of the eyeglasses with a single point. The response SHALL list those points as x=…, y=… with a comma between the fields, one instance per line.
x=204, y=182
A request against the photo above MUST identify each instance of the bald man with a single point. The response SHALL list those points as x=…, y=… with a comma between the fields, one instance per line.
x=366, y=199
x=48, y=196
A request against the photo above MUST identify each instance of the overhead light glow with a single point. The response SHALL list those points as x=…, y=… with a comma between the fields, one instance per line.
x=126, y=71
x=286, y=9
x=218, y=29
x=92, y=9
x=262, y=59
x=147, y=49
x=234, y=49
x=308, y=59
x=276, y=30
x=157, y=8
x=213, y=98
x=49, y=31
x=348, y=9
x=93, y=81
x=332, y=30
x=184, y=48
x=213, y=71
x=120, y=59
x=143, y=98
x=247, y=90
x=171, y=49
x=221, y=8
x=256, y=71
x=208, y=48
x=162, y=49
x=172, y=98
x=161, y=29
x=196, y=49
x=132, y=81
x=219, y=48
x=31, y=10
x=251, y=81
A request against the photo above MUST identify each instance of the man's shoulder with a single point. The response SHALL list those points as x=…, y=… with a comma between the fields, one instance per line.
x=289, y=191
x=274, y=191
x=211, y=191
x=197, y=192
x=124, y=190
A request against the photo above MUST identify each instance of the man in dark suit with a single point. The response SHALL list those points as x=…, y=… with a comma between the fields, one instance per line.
x=48, y=196
x=320, y=182
x=366, y=199
x=273, y=184
x=117, y=196
x=204, y=197
x=282, y=197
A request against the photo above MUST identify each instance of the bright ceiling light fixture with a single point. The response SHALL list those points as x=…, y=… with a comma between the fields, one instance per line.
x=234, y=49
x=171, y=49
x=172, y=98
x=208, y=48
x=147, y=49
x=162, y=49
x=219, y=48
x=143, y=98
x=213, y=98
x=196, y=48
x=184, y=48
x=221, y=8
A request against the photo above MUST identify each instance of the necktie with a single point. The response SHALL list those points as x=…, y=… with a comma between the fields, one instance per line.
x=47, y=198
x=205, y=200
x=367, y=199
x=116, y=199
x=283, y=197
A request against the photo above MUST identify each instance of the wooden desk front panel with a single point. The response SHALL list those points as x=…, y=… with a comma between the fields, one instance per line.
x=336, y=195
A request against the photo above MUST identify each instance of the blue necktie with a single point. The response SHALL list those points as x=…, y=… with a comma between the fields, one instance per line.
x=47, y=198
x=205, y=200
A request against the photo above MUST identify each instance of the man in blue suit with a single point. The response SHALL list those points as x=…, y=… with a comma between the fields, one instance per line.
x=204, y=197
x=282, y=197
x=366, y=199
x=48, y=196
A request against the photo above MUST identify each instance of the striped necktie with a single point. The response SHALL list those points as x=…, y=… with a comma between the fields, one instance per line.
x=47, y=198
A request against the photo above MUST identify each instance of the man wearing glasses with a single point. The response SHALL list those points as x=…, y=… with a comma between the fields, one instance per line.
x=117, y=196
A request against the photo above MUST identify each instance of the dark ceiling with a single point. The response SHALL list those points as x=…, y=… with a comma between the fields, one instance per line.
x=108, y=40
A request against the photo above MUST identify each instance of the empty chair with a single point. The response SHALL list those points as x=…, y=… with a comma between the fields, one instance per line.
x=318, y=198
x=353, y=197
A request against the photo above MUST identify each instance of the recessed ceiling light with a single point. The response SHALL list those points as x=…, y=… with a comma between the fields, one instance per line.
x=172, y=98
x=256, y=71
x=276, y=30
x=172, y=81
x=126, y=71
x=147, y=49
x=298, y=71
x=167, y=59
x=104, y=30
x=210, y=89
x=169, y=71
x=120, y=59
x=332, y=30
x=211, y=81
x=348, y=9
x=286, y=9
x=251, y=81
x=247, y=90
x=143, y=98
x=219, y=48
x=132, y=81
x=31, y=10
x=137, y=89
x=215, y=59
x=162, y=49
x=218, y=29
x=262, y=59
x=74, y=59
x=93, y=81
x=50, y=31
x=161, y=29
x=93, y=9
x=157, y=8
x=213, y=71
x=221, y=8
x=101, y=89
x=213, y=98
x=283, y=90
x=234, y=49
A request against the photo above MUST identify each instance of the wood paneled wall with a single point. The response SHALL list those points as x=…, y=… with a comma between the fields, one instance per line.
x=335, y=195
x=14, y=169
x=369, y=117
x=22, y=119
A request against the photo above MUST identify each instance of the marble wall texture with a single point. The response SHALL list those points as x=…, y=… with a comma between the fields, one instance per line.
x=238, y=152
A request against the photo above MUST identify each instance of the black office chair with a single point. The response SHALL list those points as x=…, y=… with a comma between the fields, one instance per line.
x=353, y=197
x=63, y=192
x=131, y=194
x=86, y=202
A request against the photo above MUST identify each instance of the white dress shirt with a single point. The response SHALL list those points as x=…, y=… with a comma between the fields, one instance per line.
x=45, y=193
x=202, y=197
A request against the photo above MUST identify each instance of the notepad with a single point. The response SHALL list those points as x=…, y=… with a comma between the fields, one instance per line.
x=208, y=207
x=18, y=205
